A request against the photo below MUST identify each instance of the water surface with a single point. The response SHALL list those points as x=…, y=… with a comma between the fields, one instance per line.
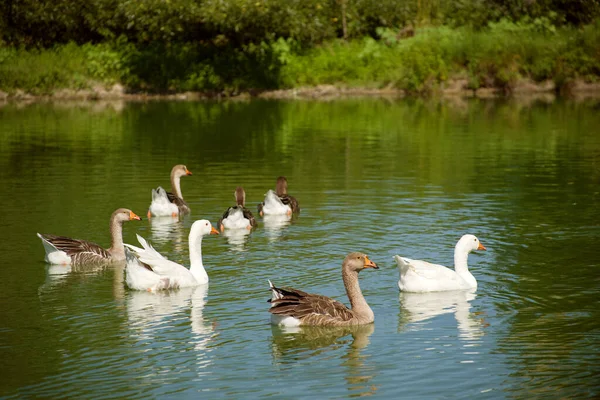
x=384, y=177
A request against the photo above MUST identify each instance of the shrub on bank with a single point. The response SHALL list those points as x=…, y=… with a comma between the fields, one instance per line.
x=498, y=56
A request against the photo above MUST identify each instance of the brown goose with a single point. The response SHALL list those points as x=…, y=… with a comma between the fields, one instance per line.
x=64, y=250
x=292, y=307
x=279, y=202
x=165, y=204
x=238, y=216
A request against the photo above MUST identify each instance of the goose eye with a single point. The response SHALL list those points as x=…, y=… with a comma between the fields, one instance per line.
x=474, y=240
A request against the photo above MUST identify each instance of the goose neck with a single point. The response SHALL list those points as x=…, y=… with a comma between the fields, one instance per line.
x=117, y=250
x=460, y=259
x=197, y=267
x=357, y=301
x=176, y=185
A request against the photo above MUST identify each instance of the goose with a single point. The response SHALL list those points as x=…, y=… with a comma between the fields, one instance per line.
x=62, y=250
x=292, y=307
x=165, y=204
x=238, y=216
x=279, y=202
x=422, y=276
x=149, y=270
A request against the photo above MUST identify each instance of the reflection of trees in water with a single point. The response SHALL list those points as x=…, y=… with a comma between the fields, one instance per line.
x=290, y=345
x=418, y=308
x=549, y=277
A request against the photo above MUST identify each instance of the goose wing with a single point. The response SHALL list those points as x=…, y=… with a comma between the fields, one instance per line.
x=249, y=216
x=157, y=262
x=311, y=309
x=178, y=201
x=80, y=251
x=290, y=201
x=425, y=269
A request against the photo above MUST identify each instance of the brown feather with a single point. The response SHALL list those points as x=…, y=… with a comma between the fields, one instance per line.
x=290, y=201
x=80, y=251
x=179, y=202
x=310, y=309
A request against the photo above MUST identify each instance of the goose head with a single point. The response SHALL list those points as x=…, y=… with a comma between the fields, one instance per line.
x=240, y=196
x=201, y=228
x=356, y=262
x=179, y=171
x=469, y=243
x=124, y=214
x=281, y=186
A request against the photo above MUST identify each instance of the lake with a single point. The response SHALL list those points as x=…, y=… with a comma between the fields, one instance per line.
x=380, y=176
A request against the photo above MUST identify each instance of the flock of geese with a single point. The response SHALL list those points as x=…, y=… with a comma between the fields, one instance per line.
x=148, y=270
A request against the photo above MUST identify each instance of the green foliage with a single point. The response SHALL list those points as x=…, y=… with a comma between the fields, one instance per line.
x=42, y=71
x=497, y=56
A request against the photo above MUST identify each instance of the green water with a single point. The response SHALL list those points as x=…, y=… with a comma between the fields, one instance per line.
x=384, y=177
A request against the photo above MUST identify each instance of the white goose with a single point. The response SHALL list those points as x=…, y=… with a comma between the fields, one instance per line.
x=154, y=272
x=165, y=204
x=421, y=276
x=279, y=202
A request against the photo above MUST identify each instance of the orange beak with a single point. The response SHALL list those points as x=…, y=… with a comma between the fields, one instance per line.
x=370, y=264
x=481, y=247
x=213, y=231
x=132, y=216
x=188, y=172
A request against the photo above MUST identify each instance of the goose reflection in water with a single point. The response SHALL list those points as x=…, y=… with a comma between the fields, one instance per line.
x=237, y=238
x=59, y=275
x=168, y=230
x=291, y=344
x=155, y=316
x=418, y=308
x=274, y=225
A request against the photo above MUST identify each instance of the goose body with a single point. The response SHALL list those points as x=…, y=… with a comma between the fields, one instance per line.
x=238, y=216
x=292, y=307
x=279, y=202
x=422, y=276
x=165, y=204
x=149, y=270
x=62, y=250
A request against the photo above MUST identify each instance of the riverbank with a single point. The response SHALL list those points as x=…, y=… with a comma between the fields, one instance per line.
x=504, y=59
x=577, y=89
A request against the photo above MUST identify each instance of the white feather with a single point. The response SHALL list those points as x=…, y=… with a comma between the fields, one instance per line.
x=54, y=255
x=274, y=205
x=167, y=274
x=161, y=206
x=236, y=220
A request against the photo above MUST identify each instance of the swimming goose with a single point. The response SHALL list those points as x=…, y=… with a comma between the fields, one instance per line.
x=292, y=307
x=238, y=216
x=151, y=271
x=64, y=250
x=165, y=204
x=421, y=276
x=279, y=202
